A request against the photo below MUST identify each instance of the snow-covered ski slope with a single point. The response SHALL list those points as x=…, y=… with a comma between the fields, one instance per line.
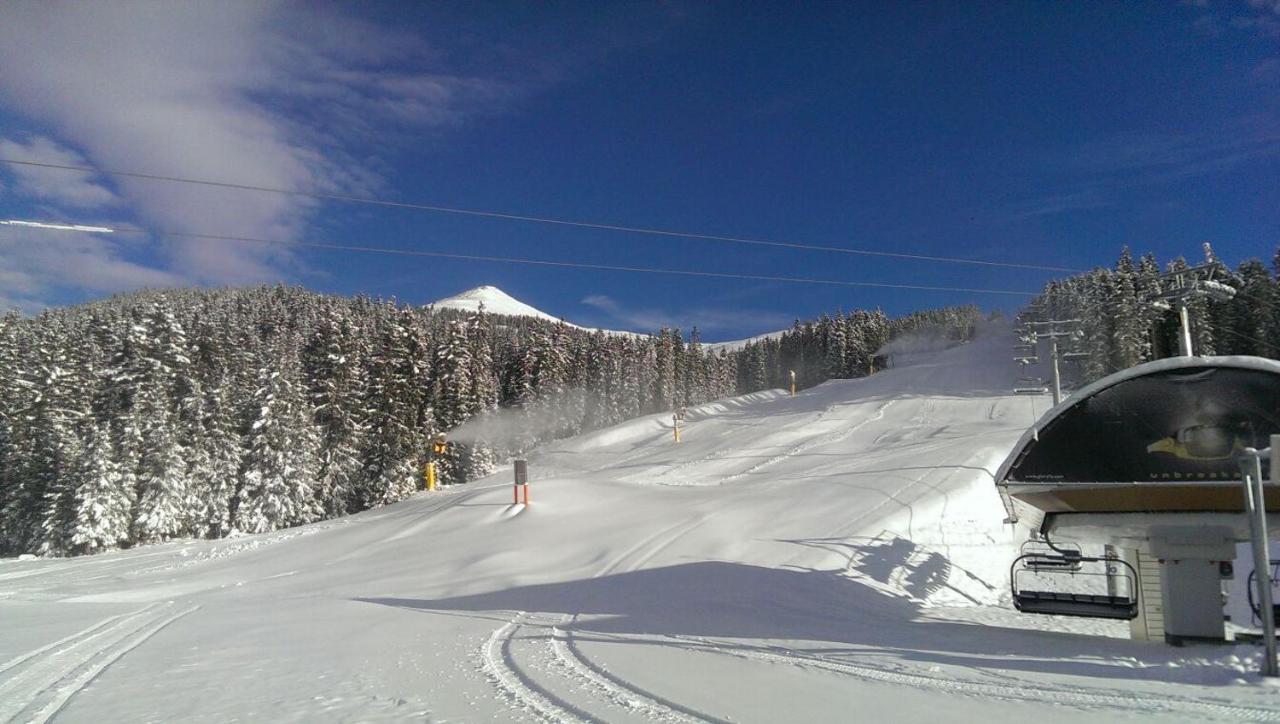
x=837, y=556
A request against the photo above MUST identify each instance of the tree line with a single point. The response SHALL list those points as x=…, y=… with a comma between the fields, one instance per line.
x=1122, y=323
x=203, y=413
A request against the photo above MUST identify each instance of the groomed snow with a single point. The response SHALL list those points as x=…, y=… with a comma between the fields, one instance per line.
x=837, y=556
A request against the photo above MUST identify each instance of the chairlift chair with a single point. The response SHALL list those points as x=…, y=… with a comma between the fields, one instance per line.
x=1120, y=602
x=1040, y=555
x=1252, y=583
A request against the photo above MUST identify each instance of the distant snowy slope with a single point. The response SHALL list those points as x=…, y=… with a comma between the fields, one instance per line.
x=737, y=344
x=495, y=301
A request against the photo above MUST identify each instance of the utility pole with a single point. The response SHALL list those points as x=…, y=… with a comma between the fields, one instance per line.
x=1255, y=507
x=1057, y=374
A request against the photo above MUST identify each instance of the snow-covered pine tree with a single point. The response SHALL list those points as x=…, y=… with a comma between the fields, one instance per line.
x=664, y=390
x=279, y=465
x=334, y=365
x=457, y=395
x=165, y=506
x=1146, y=290
x=216, y=479
x=1254, y=316
x=103, y=503
x=392, y=406
x=1221, y=313
x=1123, y=307
x=696, y=372
x=837, y=346
x=55, y=419
x=15, y=391
x=757, y=368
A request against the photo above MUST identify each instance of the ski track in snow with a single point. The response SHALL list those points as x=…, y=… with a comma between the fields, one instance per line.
x=586, y=676
x=48, y=677
x=828, y=439
x=513, y=681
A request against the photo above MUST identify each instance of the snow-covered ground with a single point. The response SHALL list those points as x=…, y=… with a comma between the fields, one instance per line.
x=836, y=556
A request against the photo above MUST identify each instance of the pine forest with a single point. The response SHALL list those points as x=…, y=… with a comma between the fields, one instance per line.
x=208, y=413
x=1121, y=322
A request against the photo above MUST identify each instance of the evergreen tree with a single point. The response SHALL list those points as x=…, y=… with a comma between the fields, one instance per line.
x=334, y=365
x=279, y=463
x=103, y=504
x=165, y=504
x=1123, y=307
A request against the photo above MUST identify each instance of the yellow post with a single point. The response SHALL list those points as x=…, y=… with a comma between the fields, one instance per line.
x=675, y=426
x=793, y=383
x=438, y=447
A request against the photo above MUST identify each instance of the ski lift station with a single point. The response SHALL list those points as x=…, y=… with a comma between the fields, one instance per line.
x=1146, y=465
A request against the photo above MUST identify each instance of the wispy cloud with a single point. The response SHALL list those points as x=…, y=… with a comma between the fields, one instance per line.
x=74, y=189
x=1097, y=174
x=262, y=93
x=36, y=264
x=1055, y=204
x=707, y=320
x=1260, y=17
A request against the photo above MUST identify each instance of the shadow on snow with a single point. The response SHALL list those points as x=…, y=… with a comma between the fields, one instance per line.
x=744, y=607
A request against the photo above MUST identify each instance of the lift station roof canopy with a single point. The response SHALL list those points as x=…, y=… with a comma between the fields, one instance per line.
x=1158, y=430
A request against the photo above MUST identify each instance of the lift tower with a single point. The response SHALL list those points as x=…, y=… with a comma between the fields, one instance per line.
x=1180, y=286
x=1030, y=332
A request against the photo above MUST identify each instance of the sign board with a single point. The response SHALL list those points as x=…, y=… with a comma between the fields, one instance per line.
x=521, y=468
x=1186, y=424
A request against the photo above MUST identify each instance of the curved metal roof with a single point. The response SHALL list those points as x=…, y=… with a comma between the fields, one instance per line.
x=1156, y=399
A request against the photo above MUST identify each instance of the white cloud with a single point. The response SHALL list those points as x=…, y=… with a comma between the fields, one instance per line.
x=35, y=263
x=70, y=188
x=261, y=93
x=705, y=319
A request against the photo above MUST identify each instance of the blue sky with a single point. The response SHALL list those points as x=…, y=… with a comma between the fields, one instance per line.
x=1037, y=133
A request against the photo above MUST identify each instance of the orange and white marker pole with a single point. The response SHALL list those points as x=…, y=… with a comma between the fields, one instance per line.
x=521, y=468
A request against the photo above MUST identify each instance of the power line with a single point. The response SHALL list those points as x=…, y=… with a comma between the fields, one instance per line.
x=569, y=264
x=540, y=219
x=1262, y=346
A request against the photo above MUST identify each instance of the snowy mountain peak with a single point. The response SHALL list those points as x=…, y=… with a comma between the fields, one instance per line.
x=495, y=301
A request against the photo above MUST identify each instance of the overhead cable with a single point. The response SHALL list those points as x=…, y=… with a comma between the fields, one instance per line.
x=541, y=219
x=570, y=264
